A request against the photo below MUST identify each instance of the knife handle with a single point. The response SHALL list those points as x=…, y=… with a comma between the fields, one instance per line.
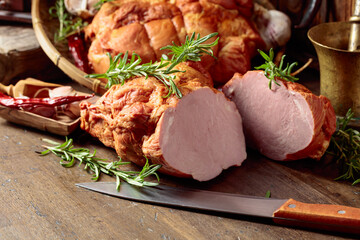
x=319, y=216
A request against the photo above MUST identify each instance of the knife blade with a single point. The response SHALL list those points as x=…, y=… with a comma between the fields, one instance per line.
x=288, y=212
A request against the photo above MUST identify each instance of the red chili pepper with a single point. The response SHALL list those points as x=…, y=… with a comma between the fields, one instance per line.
x=8, y=101
x=2, y=95
x=79, y=53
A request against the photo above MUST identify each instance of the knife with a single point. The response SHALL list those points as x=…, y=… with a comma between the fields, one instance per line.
x=286, y=212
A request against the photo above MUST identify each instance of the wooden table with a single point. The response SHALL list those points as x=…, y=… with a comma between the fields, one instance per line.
x=39, y=199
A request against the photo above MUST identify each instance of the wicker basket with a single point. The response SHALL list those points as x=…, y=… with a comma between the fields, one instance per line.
x=45, y=28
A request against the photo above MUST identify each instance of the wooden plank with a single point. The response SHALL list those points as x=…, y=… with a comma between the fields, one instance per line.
x=23, y=17
x=21, y=56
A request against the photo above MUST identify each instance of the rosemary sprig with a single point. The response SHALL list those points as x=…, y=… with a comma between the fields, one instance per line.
x=345, y=147
x=69, y=154
x=68, y=25
x=272, y=71
x=121, y=69
x=192, y=49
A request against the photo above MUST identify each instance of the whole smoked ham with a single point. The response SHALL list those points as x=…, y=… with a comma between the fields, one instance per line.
x=287, y=122
x=144, y=26
x=196, y=136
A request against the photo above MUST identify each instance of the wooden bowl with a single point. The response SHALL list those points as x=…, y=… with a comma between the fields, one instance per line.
x=39, y=122
x=45, y=27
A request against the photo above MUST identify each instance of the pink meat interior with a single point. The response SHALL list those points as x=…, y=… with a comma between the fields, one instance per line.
x=203, y=135
x=277, y=122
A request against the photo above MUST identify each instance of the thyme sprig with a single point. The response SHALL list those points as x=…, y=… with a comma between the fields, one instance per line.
x=122, y=69
x=272, y=71
x=68, y=24
x=69, y=154
x=345, y=147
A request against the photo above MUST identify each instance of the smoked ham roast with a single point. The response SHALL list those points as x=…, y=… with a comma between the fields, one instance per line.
x=196, y=136
x=144, y=26
x=287, y=122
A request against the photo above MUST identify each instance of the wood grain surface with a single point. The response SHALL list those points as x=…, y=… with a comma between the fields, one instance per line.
x=39, y=199
x=21, y=55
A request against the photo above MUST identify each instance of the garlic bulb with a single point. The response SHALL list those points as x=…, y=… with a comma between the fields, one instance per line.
x=273, y=26
x=82, y=8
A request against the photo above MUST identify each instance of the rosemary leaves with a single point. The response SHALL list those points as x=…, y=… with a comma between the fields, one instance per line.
x=345, y=148
x=192, y=49
x=69, y=154
x=122, y=69
x=272, y=71
x=68, y=25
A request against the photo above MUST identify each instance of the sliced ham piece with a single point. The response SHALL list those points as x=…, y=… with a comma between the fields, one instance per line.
x=197, y=136
x=287, y=122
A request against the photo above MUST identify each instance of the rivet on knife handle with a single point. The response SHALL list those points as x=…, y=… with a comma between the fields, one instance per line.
x=322, y=216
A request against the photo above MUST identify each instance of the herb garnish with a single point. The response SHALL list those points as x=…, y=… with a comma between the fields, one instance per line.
x=121, y=69
x=69, y=154
x=272, y=71
x=98, y=5
x=191, y=50
x=345, y=147
x=268, y=194
x=68, y=25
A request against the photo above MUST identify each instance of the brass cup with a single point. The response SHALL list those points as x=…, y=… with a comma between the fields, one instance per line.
x=339, y=68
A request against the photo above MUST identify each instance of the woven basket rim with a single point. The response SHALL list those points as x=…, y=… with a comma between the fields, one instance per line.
x=55, y=56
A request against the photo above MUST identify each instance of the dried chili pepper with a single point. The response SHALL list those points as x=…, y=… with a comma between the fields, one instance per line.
x=2, y=95
x=77, y=49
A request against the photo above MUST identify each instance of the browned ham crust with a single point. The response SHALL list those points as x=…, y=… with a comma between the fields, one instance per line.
x=144, y=26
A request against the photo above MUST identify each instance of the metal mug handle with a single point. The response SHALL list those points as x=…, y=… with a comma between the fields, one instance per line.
x=310, y=11
x=354, y=41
